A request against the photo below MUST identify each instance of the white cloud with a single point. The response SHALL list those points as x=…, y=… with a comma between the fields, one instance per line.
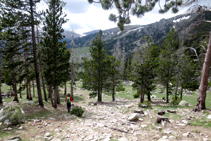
x=84, y=17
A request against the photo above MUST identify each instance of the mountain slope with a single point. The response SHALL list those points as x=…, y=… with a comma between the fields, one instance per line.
x=188, y=26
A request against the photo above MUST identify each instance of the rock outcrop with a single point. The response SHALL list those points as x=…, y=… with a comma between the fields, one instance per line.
x=12, y=115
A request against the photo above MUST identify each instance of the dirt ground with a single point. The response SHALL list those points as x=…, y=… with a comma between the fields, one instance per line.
x=109, y=121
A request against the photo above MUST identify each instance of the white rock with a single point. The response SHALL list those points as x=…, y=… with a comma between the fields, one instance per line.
x=163, y=139
x=140, y=119
x=181, y=124
x=188, y=134
x=56, y=140
x=9, y=129
x=100, y=125
x=48, y=134
x=123, y=139
x=167, y=131
x=159, y=128
x=143, y=126
x=184, y=121
x=52, y=118
x=128, y=106
x=209, y=117
x=172, y=137
x=20, y=128
x=134, y=116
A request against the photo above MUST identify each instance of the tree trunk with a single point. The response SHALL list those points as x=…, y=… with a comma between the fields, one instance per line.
x=55, y=96
x=58, y=96
x=167, y=92
x=148, y=96
x=72, y=79
x=50, y=94
x=175, y=94
x=113, y=90
x=65, y=88
x=141, y=94
x=33, y=88
x=204, y=80
x=30, y=94
x=27, y=90
x=15, y=92
x=181, y=93
x=43, y=84
x=35, y=56
x=20, y=92
x=99, y=93
x=1, y=101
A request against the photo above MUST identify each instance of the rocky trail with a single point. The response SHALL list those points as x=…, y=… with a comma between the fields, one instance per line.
x=112, y=121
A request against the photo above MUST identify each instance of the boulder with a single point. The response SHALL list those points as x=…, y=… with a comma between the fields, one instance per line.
x=209, y=117
x=139, y=111
x=160, y=119
x=134, y=116
x=143, y=106
x=184, y=103
x=92, y=103
x=12, y=115
x=188, y=134
x=161, y=112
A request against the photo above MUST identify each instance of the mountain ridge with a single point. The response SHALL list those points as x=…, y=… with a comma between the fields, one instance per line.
x=187, y=26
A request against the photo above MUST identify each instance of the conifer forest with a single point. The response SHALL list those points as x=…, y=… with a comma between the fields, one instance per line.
x=128, y=82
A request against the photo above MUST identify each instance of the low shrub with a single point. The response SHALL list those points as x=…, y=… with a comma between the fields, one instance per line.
x=120, y=88
x=92, y=95
x=175, y=100
x=136, y=95
x=78, y=111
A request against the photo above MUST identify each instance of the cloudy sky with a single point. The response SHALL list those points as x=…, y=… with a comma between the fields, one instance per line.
x=84, y=17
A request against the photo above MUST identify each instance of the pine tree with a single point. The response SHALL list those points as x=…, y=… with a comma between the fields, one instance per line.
x=1, y=64
x=113, y=75
x=95, y=70
x=56, y=55
x=11, y=42
x=37, y=74
x=143, y=66
x=167, y=61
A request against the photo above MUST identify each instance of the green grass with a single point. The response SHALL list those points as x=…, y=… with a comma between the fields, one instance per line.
x=201, y=122
x=43, y=114
x=82, y=52
x=5, y=134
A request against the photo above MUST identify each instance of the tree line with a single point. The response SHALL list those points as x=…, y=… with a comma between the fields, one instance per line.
x=28, y=53
x=169, y=65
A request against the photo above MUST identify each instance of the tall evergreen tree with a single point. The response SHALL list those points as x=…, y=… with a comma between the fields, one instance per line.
x=11, y=41
x=113, y=75
x=167, y=61
x=143, y=69
x=56, y=55
x=95, y=70
x=37, y=74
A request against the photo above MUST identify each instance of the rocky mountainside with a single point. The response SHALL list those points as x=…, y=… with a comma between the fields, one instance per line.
x=188, y=26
